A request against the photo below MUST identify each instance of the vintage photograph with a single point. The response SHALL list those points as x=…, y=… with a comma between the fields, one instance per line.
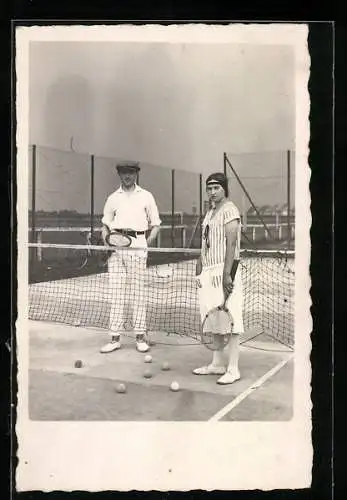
x=161, y=238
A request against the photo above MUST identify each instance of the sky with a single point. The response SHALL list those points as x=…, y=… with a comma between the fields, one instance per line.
x=174, y=106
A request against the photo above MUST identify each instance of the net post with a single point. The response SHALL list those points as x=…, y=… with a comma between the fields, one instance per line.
x=173, y=208
x=288, y=199
x=92, y=176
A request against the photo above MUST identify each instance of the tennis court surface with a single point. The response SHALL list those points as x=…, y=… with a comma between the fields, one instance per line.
x=59, y=391
x=69, y=311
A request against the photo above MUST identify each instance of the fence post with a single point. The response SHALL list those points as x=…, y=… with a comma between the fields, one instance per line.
x=33, y=200
x=184, y=237
x=39, y=250
x=33, y=194
x=173, y=208
x=288, y=199
x=91, y=195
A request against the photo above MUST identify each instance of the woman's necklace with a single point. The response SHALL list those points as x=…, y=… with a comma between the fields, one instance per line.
x=215, y=208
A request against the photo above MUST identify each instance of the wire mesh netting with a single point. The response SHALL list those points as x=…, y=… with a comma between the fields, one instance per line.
x=68, y=190
x=132, y=290
x=262, y=184
x=187, y=202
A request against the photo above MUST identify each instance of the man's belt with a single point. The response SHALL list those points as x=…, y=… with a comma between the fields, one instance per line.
x=129, y=232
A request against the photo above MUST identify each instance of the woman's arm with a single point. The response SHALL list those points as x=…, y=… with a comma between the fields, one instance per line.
x=231, y=232
x=198, y=268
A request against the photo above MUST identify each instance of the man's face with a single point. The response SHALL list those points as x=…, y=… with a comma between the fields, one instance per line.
x=128, y=177
x=215, y=192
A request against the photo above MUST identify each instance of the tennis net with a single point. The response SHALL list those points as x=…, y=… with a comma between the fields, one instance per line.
x=95, y=286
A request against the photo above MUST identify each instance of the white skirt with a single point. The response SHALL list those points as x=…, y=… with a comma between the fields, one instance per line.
x=211, y=295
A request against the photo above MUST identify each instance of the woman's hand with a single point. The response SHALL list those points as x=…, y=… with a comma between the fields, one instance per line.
x=198, y=271
x=228, y=284
x=198, y=268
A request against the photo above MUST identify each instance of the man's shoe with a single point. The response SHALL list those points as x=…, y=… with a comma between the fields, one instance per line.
x=142, y=346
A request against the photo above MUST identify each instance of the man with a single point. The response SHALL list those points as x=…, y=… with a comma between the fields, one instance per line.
x=132, y=210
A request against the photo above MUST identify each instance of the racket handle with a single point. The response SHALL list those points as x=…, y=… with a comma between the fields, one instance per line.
x=232, y=274
x=234, y=268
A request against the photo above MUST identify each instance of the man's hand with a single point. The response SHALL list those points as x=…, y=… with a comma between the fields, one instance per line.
x=153, y=235
x=228, y=285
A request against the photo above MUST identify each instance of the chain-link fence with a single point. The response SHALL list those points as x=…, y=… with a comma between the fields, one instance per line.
x=68, y=190
x=262, y=185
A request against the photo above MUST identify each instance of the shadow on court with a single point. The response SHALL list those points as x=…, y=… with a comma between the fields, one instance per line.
x=59, y=391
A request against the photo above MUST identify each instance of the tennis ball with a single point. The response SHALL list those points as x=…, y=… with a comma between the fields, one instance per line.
x=165, y=366
x=121, y=389
x=78, y=364
x=148, y=374
x=175, y=386
x=148, y=358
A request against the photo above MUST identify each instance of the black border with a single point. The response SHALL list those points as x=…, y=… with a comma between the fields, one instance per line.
x=321, y=144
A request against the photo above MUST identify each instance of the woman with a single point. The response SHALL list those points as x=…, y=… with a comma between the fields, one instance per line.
x=220, y=246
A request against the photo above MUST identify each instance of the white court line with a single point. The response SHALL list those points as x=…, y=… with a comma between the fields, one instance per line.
x=230, y=406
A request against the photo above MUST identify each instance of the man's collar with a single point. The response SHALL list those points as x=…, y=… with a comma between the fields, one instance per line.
x=136, y=190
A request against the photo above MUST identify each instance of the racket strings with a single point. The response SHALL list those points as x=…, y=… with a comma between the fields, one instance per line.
x=118, y=240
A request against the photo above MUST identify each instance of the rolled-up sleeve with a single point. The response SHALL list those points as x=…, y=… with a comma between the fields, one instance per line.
x=108, y=213
x=152, y=211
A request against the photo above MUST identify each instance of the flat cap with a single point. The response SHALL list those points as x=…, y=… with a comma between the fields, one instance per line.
x=128, y=164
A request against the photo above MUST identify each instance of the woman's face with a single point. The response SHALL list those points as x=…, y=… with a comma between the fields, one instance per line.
x=215, y=193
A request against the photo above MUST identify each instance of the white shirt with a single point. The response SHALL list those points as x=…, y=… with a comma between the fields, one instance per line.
x=215, y=254
x=136, y=210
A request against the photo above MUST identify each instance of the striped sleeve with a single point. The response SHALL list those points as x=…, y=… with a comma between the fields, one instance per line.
x=230, y=213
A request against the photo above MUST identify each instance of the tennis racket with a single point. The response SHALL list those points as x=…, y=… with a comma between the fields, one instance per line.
x=218, y=324
x=116, y=239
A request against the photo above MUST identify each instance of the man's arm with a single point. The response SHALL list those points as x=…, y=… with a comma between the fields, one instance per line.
x=107, y=219
x=231, y=231
x=153, y=219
